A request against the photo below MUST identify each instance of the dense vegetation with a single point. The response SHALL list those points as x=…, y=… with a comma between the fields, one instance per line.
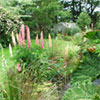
x=49, y=50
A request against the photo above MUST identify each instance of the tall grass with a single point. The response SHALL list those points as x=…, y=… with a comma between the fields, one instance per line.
x=17, y=88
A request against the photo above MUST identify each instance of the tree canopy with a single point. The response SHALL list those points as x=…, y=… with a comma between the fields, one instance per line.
x=78, y=6
x=44, y=14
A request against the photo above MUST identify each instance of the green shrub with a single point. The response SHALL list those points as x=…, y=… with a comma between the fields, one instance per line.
x=28, y=57
x=83, y=20
x=82, y=91
x=67, y=38
x=36, y=62
x=73, y=30
x=98, y=49
x=77, y=38
x=97, y=25
x=88, y=70
x=93, y=35
x=57, y=53
x=8, y=23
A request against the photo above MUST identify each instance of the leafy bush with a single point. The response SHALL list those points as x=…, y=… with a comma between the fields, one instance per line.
x=89, y=67
x=57, y=55
x=93, y=35
x=8, y=23
x=28, y=57
x=82, y=91
x=97, y=25
x=83, y=20
x=98, y=49
x=73, y=30
x=77, y=39
x=36, y=63
x=67, y=38
x=88, y=70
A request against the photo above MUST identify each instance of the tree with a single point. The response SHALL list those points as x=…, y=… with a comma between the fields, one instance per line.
x=40, y=14
x=83, y=20
x=47, y=13
x=78, y=6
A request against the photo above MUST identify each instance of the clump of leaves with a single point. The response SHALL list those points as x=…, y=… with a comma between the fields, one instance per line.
x=83, y=20
x=82, y=91
x=88, y=70
x=93, y=34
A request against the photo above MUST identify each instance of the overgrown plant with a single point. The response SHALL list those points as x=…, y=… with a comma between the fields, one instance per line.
x=17, y=88
x=83, y=91
x=8, y=23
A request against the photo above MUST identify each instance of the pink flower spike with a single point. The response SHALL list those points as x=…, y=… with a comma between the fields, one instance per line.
x=23, y=33
x=19, y=68
x=20, y=39
x=50, y=41
x=37, y=40
x=41, y=39
x=28, y=37
x=92, y=25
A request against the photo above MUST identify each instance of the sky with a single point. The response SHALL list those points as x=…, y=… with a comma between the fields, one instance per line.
x=97, y=9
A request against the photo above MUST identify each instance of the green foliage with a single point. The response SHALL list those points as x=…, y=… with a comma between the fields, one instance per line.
x=77, y=39
x=93, y=35
x=89, y=70
x=77, y=6
x=12, y=85
x=2, y=3
x=67, y=38
x=35, y=61
x=73, y=30
x=98, y=49
x=65, y=16
x=38, y=14
x=97, y=24
x=58, y=48
x=46, y=91
x=16, y=88
x=82, y=91
x=46, y=14
x=83, y=20
x=27, y=57
x=8, y=23
x=10, y=89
